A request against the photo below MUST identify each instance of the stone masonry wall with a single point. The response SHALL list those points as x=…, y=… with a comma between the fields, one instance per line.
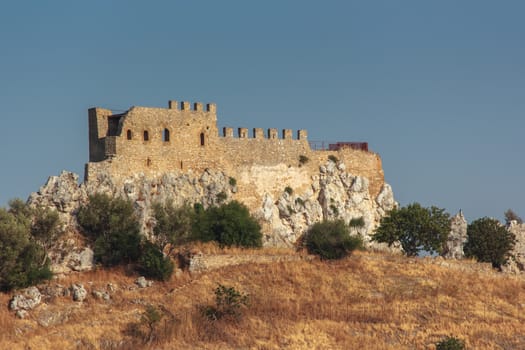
x=194, y=145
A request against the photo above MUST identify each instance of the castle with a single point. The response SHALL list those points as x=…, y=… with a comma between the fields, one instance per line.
x=185, y=138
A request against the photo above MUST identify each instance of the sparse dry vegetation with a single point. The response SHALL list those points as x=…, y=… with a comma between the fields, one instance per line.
x=368, y=300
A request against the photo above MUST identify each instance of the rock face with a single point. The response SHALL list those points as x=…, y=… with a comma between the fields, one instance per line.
x=79, y=292
x=457, y=237
x=517, y=261
x=285, y=213
x=27, y=300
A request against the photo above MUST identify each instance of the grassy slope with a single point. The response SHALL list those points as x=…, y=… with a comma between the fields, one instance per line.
x=367, y=301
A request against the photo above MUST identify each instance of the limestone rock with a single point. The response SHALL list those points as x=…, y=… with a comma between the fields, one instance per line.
x=21, y=314
x=143, y=283
x=101, y=295
x=82, y=261
x=330, y=193
x=27, y=300
x=517, y=261
x=79, y=292
x=457, y=237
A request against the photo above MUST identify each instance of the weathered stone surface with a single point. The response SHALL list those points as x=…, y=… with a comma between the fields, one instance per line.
x=79, y=292
x=142, y=282
x=457, y=237
x=82, y=261
x=516, y=263
x=27, y=300
x=331, y=193
x=101, y=295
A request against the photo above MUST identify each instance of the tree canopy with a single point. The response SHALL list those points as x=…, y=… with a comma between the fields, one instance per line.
x=489, y=241
x=416, y=228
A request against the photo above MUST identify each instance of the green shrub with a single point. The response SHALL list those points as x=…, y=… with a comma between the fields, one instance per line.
x=489, y=241
x=333, y=158
x=114, y=227
x=221, y=197
x=288, y=190
x=334, y=209
x=45, y=228
x=450, y=343
x=299, y=201
x=303, y=159
x=331, y=240
x=228, y=303
x=152, y=263
x=417, y=228
x=357, y=222
x=156, y=325
x=172, y=224
x=232, y=182
x=229, y=224
x=23, y=262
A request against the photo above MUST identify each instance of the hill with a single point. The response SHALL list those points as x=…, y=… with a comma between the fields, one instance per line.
x=369, y=300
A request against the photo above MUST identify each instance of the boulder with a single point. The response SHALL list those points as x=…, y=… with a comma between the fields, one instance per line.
x=79, y=292
x=27, y=300
x=142, y=282
x=457, y=237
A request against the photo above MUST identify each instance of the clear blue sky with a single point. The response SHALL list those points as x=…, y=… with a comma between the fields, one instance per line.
x=437, y=88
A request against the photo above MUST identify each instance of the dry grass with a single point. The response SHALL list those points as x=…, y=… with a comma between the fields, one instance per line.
x=367, y=301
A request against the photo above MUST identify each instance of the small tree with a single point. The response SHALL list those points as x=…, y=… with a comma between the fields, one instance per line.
x=152, y=263
x=113, y=225
x=510, y=215
x=416, y=228
x=45, y=228
x=229, y=224
x=331, y=240
x=489, y=241
x=22, y=261
x=450, y=343
x=173, y=225
x=228, y=303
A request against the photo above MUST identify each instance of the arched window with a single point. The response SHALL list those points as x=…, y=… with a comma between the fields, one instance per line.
x=202, y=139
x=129, y=134
x=146, y=135
x=166, y=135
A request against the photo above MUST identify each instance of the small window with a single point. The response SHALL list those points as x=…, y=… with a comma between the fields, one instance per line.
x=146, y=135
x=202, y=139
x=166, y=135
x=129, y=135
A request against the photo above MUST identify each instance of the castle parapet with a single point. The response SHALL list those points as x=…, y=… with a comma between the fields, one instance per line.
x=287, y=134
x=185, y=106
x=258, y=133
x=302, y=134
x=227, y=132
x=211, y=107
x=197, y=106
x=273, y=134
x=172, y=104
x=243, y=133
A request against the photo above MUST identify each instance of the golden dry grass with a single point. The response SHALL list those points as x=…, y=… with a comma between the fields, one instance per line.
x=366, y=301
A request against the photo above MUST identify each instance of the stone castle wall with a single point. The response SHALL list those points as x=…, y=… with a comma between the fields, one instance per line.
x=185, y=138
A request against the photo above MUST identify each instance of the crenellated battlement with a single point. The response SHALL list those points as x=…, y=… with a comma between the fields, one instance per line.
x=187, y=106
x=259, y=134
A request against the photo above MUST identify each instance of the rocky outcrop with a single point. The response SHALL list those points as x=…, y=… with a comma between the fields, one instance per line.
x=28, y=299
x=457, y=237
x=285, y=213
x=516, y=262
x=79, y=292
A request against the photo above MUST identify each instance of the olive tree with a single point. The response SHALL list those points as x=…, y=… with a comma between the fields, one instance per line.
x=416, y=228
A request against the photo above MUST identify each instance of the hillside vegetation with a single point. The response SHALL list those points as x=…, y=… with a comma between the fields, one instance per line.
x=364, y=301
